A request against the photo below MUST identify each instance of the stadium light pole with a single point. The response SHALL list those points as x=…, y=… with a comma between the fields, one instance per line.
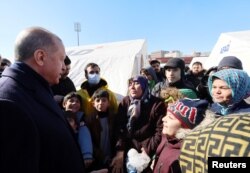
x=77, y=29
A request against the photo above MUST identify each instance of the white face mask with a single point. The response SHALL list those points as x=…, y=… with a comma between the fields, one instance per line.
x=94, y=78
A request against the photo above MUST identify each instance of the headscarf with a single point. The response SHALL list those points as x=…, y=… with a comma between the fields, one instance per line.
x=134, y=109
x=237, y=80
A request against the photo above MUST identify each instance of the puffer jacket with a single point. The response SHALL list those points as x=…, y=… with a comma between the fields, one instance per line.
x=87, y=91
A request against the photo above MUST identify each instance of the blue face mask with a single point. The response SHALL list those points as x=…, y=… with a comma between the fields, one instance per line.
x=93, y=78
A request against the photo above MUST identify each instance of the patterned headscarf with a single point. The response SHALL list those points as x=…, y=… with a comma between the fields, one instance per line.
x=237, y=80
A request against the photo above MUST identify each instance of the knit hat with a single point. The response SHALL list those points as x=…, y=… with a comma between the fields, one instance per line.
x=230, y=61
x=176, y=63
x=142, y=80
x=190, y=112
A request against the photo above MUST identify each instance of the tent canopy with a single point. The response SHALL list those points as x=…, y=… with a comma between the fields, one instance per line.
x=118, y=61
x=233, y=44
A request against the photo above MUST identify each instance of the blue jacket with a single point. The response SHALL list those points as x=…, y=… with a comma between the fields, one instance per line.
x=84, y=138
x=34, y=136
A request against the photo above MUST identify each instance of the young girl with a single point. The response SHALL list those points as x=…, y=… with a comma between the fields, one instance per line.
x=181, y=117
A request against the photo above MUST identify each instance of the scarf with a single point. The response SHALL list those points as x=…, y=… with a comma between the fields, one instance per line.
x=134, y=109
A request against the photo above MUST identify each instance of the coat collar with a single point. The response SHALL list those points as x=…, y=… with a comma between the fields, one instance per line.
x=35, y=84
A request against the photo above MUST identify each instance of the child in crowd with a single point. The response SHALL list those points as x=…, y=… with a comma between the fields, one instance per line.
x=71, y=105
x=180, y=118
x=101, y=128
x=170, y=96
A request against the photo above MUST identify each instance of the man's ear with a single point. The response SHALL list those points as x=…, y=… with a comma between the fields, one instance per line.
x=64, y=104
x=39, y=56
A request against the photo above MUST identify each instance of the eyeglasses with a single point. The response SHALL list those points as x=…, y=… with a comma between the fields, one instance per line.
x=92, y=72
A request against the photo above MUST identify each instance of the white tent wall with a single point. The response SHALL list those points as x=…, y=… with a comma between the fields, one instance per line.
x=233, y=44
x=118, y=62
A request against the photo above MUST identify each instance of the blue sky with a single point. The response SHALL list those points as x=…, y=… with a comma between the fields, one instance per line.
x=185, y=25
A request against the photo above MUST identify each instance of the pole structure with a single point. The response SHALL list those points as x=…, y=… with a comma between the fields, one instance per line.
x=77, y=29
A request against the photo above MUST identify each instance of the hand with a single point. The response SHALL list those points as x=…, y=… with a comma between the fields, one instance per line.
x=117, y=162
x=143, y=150
x=88, y=162
x=100, y=171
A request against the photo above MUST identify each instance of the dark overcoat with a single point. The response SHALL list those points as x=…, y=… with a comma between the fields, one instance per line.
x=34, y=136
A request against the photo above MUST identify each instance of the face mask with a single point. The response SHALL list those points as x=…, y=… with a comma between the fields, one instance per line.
x=93, y=78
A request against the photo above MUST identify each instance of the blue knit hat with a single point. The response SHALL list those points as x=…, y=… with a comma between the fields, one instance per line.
x=190, y=112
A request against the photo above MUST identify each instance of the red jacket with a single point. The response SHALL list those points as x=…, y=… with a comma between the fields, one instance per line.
x=167, y=155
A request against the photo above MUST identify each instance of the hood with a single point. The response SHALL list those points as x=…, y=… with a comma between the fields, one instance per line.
x=152, y=73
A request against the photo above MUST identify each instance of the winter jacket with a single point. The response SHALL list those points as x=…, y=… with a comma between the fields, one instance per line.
x=84, y=137
x=195, y=79
x=86, y=93
x=236, y=108
x=95, y=127
x=215, y=136
x=64, y=87
x=147, y=128
x=167, y=155
x=34, y=135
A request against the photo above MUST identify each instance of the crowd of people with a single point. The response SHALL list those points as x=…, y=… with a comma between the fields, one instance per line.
x=47, y=125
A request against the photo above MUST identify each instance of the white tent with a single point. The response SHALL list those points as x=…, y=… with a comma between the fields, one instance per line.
x=231, y=43
x=118, y=62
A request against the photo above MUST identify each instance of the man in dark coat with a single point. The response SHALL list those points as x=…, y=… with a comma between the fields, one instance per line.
x=175, y=77
x=34, y=136
x=65, y=85
x=195, y=74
